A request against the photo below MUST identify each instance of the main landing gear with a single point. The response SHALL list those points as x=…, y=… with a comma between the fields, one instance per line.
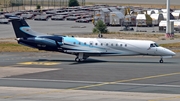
x=78, y=60
x=81, y=57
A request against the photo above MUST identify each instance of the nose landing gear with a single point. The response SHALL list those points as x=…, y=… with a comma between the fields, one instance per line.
x=161, y=60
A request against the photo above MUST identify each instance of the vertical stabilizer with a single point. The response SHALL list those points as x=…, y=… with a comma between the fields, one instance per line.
x=19, y=23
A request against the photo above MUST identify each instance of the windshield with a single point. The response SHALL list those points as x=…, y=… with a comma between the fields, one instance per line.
x=154, y=45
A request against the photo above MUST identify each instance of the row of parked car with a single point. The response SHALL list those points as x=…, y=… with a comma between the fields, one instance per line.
x=72, y=15
x=3, y=20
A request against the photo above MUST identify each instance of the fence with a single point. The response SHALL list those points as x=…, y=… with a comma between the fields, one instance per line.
x=43, y=3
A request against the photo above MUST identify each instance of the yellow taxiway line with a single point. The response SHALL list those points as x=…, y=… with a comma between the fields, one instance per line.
x=39, y=63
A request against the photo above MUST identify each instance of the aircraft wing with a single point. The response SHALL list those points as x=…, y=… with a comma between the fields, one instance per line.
x=83, y=51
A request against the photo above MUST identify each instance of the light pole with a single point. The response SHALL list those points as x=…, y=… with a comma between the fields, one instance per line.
x=54, y=4
x=22, y=4
x=66, y=3
x=60, y=3
x=42, y=3
x=17, y=3
x=168, y=18
x=63, y=2
x=48, y=4
x=30, y=4
x=12, y=4
x=4, y=3
x=6, y=6
x=36, y=2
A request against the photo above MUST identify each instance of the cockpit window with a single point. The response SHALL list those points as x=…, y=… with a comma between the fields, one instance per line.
x=154, y=45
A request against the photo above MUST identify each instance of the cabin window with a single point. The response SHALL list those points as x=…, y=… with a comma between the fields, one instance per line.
x=116, y=44
x=74, y=42
x=84, y=43
x=91, y=43
x=111, y=44
x=96, y=44
x=125, y=45
x=101, y=44
x=106, y=44
x=121, y=45
x=79, y=43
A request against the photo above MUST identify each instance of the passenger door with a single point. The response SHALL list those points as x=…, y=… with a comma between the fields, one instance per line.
x=152, y=49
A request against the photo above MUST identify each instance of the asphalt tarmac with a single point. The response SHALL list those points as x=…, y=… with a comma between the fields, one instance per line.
x=59, y=71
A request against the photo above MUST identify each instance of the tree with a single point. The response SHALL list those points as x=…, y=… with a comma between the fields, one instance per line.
x=38, y=6
x=73, y=3
x=100, y=27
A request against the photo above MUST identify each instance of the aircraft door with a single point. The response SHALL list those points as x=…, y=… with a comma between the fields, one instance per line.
x=152, y=50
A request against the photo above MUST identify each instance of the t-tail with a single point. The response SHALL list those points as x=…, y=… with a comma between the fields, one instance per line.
x=26, y=36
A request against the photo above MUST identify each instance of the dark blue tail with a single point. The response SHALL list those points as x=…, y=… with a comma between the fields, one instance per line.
x=17, y=24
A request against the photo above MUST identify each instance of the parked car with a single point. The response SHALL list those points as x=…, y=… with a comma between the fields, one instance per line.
x=8, y=15
x=27, y=16
x=4, y=21
x=42, y=17
x=82, y=21
x=14, y=14
x=73, y=18
x=65, y=14
x=58, y=17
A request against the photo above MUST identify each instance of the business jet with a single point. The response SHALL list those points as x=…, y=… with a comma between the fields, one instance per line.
x=83, y=48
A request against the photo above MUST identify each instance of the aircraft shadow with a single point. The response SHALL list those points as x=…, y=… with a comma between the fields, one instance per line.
x=88, y=61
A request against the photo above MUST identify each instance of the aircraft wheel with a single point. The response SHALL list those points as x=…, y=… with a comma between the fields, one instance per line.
x=76, y=59
x=80, y=60
x=85, y=58
x=161, y=61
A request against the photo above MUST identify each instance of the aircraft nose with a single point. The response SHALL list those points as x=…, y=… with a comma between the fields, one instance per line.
x=170, y=52
x=173, y=53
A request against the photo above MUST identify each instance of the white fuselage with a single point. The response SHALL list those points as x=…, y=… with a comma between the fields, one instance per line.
x=114, y=47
